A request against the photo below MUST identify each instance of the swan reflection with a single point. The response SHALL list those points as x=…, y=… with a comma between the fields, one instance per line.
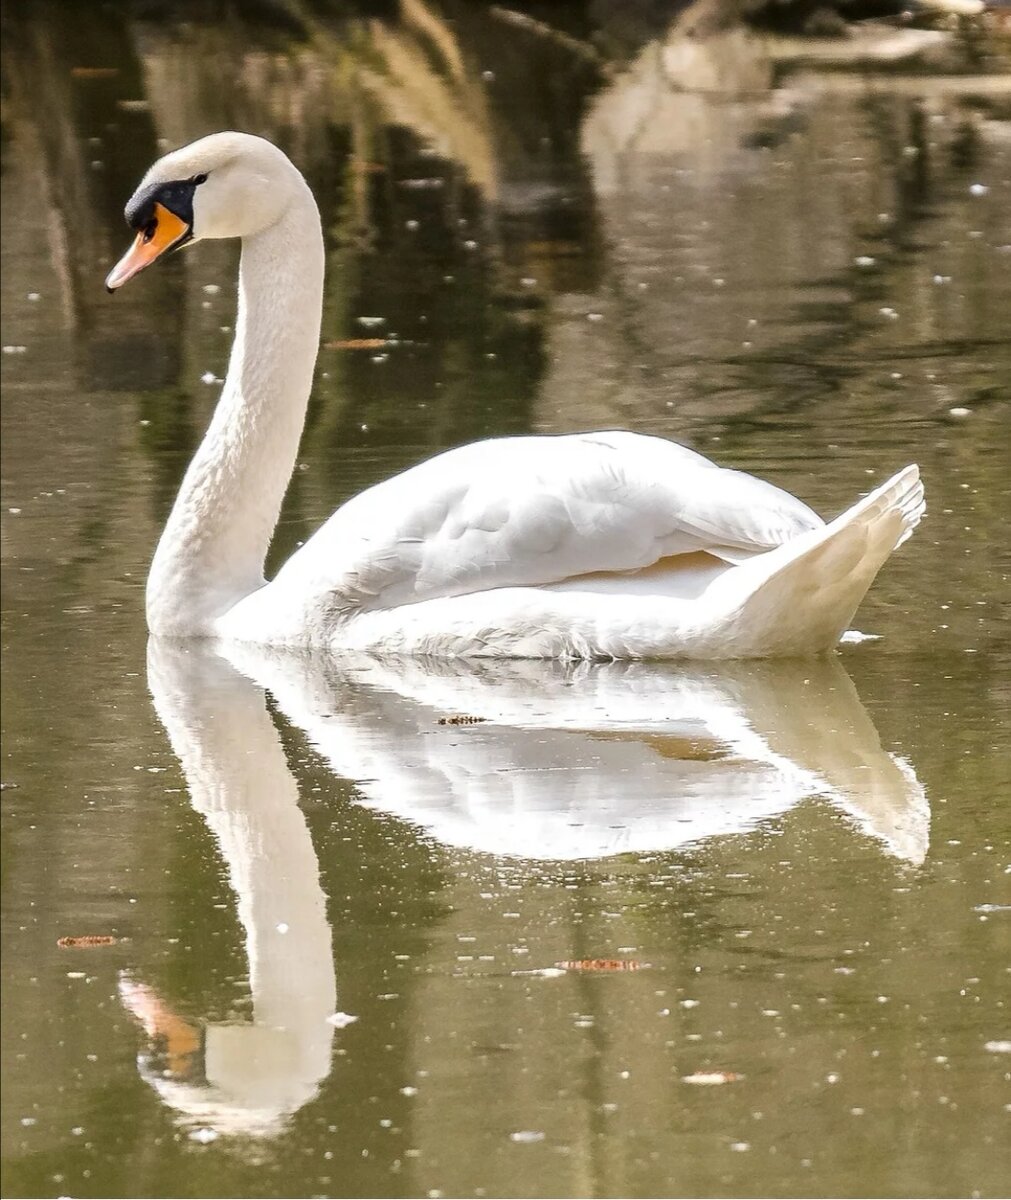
x=547, y=761
x=243, y=1077
x=562, y=761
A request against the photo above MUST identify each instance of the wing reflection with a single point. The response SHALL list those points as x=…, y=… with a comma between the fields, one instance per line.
x=568, y=761
x=243, y=1077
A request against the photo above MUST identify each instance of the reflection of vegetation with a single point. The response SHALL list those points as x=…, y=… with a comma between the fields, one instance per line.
x=454, y=251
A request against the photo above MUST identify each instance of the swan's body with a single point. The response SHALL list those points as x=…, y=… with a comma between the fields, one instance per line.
x=603, y=545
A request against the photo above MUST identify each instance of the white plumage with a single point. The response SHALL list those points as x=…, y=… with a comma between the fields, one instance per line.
x=600, y=545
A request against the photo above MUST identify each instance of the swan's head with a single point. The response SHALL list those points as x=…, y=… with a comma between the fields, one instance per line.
x=224, y=185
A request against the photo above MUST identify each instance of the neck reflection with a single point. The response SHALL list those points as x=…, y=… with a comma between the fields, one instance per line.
x=243, y=1077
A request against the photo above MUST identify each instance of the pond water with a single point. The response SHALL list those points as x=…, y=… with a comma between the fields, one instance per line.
x=335, y=894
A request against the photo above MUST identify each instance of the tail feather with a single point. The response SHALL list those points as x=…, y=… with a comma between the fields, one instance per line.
x=801, y=597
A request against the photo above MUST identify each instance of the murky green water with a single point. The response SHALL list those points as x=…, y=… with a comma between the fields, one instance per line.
x=805, y=273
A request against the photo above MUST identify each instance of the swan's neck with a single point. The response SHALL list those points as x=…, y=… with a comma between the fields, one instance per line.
x=212, y=551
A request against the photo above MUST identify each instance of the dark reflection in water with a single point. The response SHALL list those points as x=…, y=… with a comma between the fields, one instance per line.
x=791, y=255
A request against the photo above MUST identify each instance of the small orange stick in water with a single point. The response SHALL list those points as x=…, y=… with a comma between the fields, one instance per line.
x=602, y=964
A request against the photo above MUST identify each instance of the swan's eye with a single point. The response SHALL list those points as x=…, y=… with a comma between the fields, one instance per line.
x=201, y=178
x=149, y=230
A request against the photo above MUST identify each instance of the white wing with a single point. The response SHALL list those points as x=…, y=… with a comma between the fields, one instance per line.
x=533, y=511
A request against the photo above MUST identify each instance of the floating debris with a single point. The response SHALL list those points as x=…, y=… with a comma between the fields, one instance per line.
x=712, y=1078
x=463, y=719
x=340, y=1020
x=87, y=940
x=527, y=1136
x=602, y=964
x=94, y=72
x=204, y=1136
x=356, y=344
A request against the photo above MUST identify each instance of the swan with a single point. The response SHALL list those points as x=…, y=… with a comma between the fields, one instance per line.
x=604, y=545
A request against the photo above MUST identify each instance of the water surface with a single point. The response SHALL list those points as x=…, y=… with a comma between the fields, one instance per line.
x=802, y=272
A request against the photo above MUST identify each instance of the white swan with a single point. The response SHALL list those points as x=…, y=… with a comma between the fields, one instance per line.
x=601, y=545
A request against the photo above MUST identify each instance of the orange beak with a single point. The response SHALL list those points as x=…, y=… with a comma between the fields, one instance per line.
x=148, y=245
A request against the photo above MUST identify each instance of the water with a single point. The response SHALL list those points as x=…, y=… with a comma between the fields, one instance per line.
x=806, y=862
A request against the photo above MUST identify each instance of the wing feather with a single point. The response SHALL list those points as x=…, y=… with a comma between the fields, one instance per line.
x=533, y=511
